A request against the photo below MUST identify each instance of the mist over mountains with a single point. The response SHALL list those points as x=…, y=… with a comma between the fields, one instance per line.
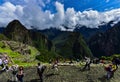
x=57, y=42
x=102, y=41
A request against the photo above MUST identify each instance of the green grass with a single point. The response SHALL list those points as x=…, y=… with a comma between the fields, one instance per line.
x=16, y=58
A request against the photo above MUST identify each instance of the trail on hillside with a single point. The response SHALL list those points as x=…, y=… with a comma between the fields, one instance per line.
x=65, y=74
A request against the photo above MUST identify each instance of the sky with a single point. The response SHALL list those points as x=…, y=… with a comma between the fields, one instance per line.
x=42, y=14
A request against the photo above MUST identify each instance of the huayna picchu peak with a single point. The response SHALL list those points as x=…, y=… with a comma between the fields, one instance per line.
x=18, y=32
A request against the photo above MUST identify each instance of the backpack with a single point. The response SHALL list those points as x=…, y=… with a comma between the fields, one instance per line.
x=114, y=68
x=41, y=69
x=14, y=71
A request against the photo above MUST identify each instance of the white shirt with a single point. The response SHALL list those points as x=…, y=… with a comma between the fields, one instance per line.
x=40, y=67
x=87, y=60
x=5, y=61
x=1, y=62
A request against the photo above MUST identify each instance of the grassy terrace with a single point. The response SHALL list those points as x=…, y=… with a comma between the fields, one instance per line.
x=17, y=58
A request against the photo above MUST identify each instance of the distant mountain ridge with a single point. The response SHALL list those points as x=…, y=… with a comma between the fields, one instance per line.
x=102, y=41
x=106, y=43
x=60, y=42
x=88, y=32
x=71, y=43
x=98, y=39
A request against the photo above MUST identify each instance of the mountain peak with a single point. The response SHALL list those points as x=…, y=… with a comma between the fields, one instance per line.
x=16, y=31
x=15, y=24
x=16, y=21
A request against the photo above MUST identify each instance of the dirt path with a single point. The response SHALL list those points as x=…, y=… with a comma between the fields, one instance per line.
x=66, y=74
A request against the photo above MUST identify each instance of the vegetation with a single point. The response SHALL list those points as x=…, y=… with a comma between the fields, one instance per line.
x=17, y=58
x=3, y=37
x=73, y=46
x=110, y=57
x=47, y=56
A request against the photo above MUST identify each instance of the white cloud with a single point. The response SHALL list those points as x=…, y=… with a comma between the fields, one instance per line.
x=31, y=14
x=59, y=16
x=107, y=1
x=7, y=13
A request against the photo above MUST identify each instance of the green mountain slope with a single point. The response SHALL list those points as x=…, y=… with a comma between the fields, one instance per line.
x=15, y=31
x=64, y=44
x=71, y=45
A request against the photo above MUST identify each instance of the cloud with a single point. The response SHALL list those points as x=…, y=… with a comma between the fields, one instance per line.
x=31, y=14
x=107, y=1
x=90, y=18
x=59, y=16
x=7, y=13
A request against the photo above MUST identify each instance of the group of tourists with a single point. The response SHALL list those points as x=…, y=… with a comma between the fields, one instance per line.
x=110, y=68
x=17, y=72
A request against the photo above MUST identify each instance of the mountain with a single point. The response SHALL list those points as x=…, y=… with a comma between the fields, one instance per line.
x=68, y=44
x=17, y=32
x=51, y=33
x=60, y=41
x=88, y=32
x=60, y=38
x=106, y=43
x=71, y=45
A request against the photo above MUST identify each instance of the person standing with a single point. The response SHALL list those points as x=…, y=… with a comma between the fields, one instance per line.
x=110, y=69
x=20, y=74
x=5, y=62
x=55, y=66
x=40, y=70
x=1, y=64
x=14, y=69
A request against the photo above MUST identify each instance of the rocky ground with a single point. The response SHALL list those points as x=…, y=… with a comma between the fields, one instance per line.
x=66, y=74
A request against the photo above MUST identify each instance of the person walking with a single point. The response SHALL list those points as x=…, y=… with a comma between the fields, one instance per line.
x=40, y=71
x=110, y=69
x=88, y=62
